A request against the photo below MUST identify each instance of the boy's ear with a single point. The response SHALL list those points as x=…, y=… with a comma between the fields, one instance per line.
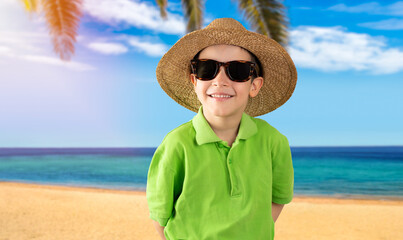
x=257, y=83
x=193, y=79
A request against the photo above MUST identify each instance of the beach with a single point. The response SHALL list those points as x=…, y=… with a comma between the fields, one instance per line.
x=30, y=211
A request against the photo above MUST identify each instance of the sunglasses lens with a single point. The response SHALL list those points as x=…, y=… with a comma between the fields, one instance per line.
x=239, y=71
x=206, y=69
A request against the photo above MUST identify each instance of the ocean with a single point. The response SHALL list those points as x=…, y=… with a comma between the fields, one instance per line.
x=343, y=172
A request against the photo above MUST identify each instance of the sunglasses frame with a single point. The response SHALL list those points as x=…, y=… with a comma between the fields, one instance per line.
x=194, y=62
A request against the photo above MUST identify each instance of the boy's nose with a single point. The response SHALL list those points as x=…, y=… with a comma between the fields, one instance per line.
x=221, y=79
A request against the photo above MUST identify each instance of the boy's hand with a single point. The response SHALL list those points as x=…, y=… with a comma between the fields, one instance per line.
x=160, y=230
x=276, y=210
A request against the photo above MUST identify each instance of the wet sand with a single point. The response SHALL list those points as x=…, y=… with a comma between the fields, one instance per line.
x=29, y=211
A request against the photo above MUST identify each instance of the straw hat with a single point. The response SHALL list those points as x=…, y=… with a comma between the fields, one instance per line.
x=279, y=73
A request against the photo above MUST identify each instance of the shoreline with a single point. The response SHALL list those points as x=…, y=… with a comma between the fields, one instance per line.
x=297, y=197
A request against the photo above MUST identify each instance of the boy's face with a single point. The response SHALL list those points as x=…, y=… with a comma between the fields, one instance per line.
x=220, y=96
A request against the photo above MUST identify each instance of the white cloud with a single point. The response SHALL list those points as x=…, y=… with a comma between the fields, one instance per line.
x=26, y=39
x=389, y=24
x=10, y=3
x=4, y=50
x=174, y=6
x=135, y=13
x=335, y=49
x=120, y=44
x=108, y=48
x=76, y=66
x=151, y=49
x=33, y=47
x=395, y=9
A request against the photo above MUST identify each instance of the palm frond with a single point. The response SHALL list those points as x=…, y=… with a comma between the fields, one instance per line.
x=266, y=17
x=63, y=18
x=193, y=14
x=31, y=5
x=163, y=6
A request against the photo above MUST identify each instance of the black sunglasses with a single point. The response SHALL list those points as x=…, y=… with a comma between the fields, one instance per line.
x=237, y=71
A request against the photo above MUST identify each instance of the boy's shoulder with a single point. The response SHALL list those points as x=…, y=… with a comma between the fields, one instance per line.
x=181, y=133
x=274, y=137
x=266, y=128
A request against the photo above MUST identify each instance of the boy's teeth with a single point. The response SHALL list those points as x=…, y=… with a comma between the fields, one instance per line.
x=221, y=96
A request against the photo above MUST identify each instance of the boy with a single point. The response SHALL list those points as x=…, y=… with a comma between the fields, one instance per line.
x=224, y=174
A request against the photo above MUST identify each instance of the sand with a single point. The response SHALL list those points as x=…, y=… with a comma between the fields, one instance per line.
x=30, y=211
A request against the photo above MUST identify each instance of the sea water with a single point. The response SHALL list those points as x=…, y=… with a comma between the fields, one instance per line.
x=326, y=171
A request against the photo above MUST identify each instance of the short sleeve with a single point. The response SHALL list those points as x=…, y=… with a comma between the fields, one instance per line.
x=283, y=171
x=164, y=183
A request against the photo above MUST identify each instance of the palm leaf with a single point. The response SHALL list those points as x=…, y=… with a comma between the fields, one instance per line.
x=193, y=13
x=163, y=5
x=31, y=5
x=63, y=18
x=266, y=17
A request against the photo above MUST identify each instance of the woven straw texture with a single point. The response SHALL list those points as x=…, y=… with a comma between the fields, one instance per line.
x=279, y=72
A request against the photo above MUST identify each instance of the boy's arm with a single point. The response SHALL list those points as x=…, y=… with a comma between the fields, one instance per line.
x=276, y=210
x=160, y=230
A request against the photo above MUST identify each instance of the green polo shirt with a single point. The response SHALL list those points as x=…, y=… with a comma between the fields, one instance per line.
x=200, y=188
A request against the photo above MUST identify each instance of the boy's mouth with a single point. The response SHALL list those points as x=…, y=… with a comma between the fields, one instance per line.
x=220, y=96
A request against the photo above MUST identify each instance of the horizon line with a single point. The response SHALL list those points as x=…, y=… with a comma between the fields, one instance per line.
x=122, y=147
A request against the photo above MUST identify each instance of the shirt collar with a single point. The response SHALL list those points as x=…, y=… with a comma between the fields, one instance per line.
x=204, y=133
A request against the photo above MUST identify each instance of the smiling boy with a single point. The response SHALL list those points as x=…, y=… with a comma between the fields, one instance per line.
x=223, y=100
x=224, y=174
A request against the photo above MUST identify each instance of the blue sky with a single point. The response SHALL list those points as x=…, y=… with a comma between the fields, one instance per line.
x=349, y=57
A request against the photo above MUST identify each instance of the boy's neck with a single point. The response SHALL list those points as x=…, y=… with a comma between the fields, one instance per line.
x=226, y=128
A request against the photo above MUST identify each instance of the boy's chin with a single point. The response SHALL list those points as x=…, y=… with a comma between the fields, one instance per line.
x=224, y=112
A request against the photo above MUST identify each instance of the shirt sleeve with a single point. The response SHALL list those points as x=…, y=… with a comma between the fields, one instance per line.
x=164, y=184
x=283, y=172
